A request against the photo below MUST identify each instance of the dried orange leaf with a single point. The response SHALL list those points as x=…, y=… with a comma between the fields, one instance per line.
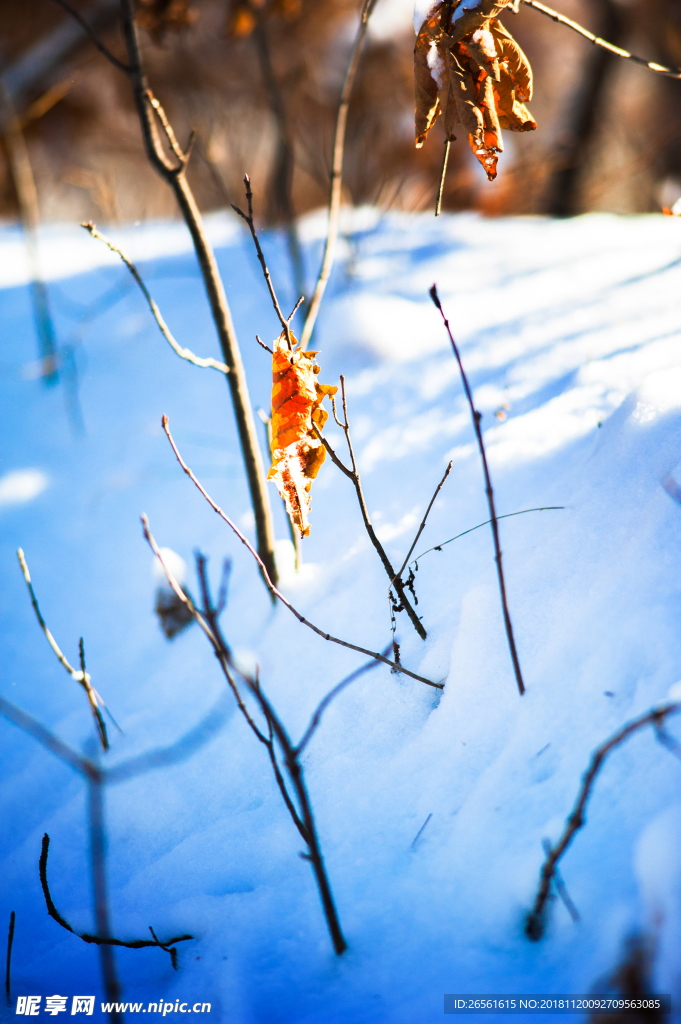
x=468, y=67
x=297, y=453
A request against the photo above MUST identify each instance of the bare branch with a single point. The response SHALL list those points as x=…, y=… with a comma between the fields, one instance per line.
x=285, y=324
x=317, y=716
x=95, y=39
x=297, y=306
x=477, y=416
x=423, y=521
x=336, y=175
x=270, y=585
x=535, y=923
x=263, y=345
x=183, y=353
x=660, y=69
x=85, y=936
x=82, y=678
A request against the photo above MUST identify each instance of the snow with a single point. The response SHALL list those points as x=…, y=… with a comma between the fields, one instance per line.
x=569, y=327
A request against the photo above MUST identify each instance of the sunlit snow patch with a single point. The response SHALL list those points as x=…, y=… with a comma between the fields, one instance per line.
x=22, y=485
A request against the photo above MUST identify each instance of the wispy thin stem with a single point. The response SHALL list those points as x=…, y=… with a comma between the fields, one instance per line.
x=336, y=175
x=535, y=923
x=268, y=582
x=509, y=515
x=660, y=69
x=81, y=677
x=477, y=416
x=183, y=353
x=103, y=49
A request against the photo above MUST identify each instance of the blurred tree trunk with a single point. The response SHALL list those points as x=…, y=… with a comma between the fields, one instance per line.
x=582, y=119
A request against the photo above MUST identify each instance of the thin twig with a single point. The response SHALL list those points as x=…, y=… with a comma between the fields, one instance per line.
x=438, y=547
x=423, y=521
x=98, y=940
x=183, y=353
x=268, y=582
x=535, y=923
x=336, y=176
x=94, y=38
x=254, y=234
x=660, y=69
x=477, y=416
x=561, y=888
x=82, y=677
x=10, y=943
x=420, y=831
x=263, y=345
x=316, y=717
x=445, y=161
x=353, y=474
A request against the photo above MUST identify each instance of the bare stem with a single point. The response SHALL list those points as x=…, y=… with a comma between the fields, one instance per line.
x=509, y=515
x=336, y=175
x=445, y=161
x=660, y=69
x=424, y=520
x=270, y=585
x=535, y=923
x=477, y=416
x=10, y=943
x=353, y=474
x=254, y=234
x=103, y=49
x=82, y=677
x=183, y=353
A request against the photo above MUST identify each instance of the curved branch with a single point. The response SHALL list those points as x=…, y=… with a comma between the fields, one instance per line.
x=85, y=936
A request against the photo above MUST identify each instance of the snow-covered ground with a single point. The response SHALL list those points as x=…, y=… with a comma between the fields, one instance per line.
x=572, y=329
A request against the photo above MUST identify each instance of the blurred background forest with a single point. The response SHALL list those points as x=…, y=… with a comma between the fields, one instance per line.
x=259, y=80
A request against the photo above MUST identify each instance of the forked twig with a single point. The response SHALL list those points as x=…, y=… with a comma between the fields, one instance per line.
x=353, y=474
x=336, y=176
x=82, y=677
x=535, y=923
x=183, y=353
x=477, y=416
x=97, y=940
x=254, y=234
x=268, y=582
x=660, y=69
x=303, y=819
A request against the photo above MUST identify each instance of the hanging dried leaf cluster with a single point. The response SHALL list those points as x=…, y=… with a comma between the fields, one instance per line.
x=468, y=68
x=297, y=452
